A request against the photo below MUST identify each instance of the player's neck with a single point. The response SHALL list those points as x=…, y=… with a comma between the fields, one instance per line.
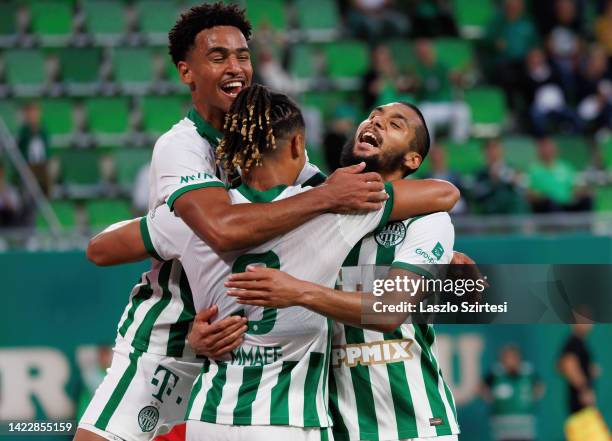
x=214, y=117
x=391, y=176
x=264, y=177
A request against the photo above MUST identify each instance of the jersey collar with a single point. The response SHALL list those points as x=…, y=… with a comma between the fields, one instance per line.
x=204, y=128
x=254, y=195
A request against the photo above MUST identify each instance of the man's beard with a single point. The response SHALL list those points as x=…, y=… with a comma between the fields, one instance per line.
x=376, y=163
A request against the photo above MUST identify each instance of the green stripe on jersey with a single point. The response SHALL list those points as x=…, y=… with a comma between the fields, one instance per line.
x=341, y=432
x=143, y=333
x=251, y=377
x=279, y=406
x=144, y=293
x=180, y=329
x=362, y=386
x=213, y=397
x=119, y=392
x=425, y=337
x=311, y=388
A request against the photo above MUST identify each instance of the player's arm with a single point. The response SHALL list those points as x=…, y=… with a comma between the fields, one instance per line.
x=226, y=227
x=415, y=197
x=120, y=243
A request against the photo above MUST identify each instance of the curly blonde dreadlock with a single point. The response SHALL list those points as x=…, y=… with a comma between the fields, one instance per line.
x=256, y=119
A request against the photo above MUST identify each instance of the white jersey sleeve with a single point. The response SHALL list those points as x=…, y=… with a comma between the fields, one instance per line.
x=165, y=235
x=355, y=226
x=180, y=165
x=429, y=243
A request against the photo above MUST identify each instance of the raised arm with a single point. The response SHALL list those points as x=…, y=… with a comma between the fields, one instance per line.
x=226, y=227
x=120, y=243
x=413, y=197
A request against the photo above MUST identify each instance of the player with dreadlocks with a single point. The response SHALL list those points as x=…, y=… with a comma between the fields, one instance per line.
x=273, y=385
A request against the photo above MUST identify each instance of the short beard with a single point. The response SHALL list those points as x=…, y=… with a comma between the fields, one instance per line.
x=376, y=163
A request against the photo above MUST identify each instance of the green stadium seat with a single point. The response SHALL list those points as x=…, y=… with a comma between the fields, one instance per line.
x=128, y=163
x=8, y=22
x=575, y=150
x=319, y=18
x=472, y=16
x=133, y=68
x=455, y=53
x=403, y=53
x=9, y=113
x=347, y=59
x=159, y=113
x=603, y=199
x=326, y=101
x=80, y=68
x=57, y=119
x=156, y=18
x=108, y=115
x=519, y=152
x=267, y=13
x=105, y=19
x=104, y=212
x=605, y=147
x=52, y=21
x=25, y=71
x=302, y=63
x=79, y=167
x=488, y=109
x=466, y=158
x=65, y=212
x=316, y=157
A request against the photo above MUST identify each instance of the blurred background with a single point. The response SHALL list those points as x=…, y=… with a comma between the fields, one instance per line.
x=517, y=95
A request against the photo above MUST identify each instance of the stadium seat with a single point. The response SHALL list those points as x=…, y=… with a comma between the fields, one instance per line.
x=159, y=113
x=80, y=68
x=403, y=53
x=104, y=212
x=606, y=152
x=9, y=114
x=108, y=115
x=488, y=109
x=156, y=18
x=455, y=53
x=57, y=119
x=325, y=101
x=133, y=68
x=302, y=63
x=466, y=158
x=575, y=150
x=105, y=20
x=472, y=16
x=603, y=199
x=8, y=22
x=25, y=71
x=318, y=18
x=267, y=13
x=519, y=152
x=52, y=21
x=347, y=59
x=79, y=167
x=65, y=212
x=128, y=163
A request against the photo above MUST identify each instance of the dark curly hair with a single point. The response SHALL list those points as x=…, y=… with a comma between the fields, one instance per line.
x=182, y=35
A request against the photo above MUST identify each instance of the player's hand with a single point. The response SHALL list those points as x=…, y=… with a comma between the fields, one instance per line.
x=348, y=190
x=216, y=339
x=260, y=286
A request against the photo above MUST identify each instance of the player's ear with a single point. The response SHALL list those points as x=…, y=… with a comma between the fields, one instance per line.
x=412, y=160
x=297, y=145
x=185, y=72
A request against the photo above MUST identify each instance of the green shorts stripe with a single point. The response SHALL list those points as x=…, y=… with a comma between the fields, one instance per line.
x=119, y=392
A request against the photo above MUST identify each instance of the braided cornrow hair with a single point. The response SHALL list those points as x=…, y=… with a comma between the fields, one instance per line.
x=256, y=119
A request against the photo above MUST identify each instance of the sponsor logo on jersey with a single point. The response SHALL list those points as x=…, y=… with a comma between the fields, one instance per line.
x=438, y=250
x=436, y=421
x=425, y=255
x=256, y=355
x=147, y=418
x=392, y=235
x=201, y=176
x=367, y=354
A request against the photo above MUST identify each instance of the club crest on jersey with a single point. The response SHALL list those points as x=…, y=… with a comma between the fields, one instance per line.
x=148, y=418
x=393, y=234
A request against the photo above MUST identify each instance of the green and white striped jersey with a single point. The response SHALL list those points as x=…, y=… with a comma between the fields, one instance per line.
x=161, y=310
x=279, y=375
x=374, y=396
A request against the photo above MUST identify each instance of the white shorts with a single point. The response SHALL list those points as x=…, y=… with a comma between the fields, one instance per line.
x=202, y=431
x=142, y=395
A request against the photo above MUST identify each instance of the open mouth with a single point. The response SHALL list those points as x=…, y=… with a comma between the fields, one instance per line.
x=369, y=140
x=232, y=87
